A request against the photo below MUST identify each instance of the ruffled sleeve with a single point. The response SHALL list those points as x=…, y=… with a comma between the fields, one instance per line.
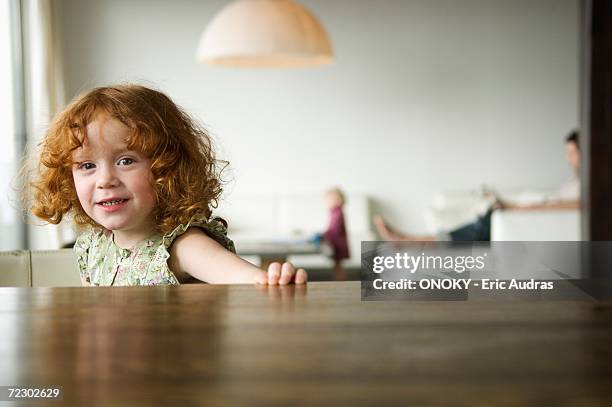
x=215, y=228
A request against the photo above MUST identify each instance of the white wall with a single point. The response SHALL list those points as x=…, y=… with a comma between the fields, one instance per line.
x=425, y=95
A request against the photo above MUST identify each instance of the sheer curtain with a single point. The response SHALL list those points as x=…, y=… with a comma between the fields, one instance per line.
x=44, y=96
x=32, y=93
x=12, y=135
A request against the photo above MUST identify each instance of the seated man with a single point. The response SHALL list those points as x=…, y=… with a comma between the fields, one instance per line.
x=566, y=197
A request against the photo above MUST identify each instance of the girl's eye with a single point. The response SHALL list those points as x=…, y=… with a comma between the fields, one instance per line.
x=86, y=166
x=125, y=161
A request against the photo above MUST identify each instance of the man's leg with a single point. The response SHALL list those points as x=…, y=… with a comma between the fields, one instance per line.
x=477, y=231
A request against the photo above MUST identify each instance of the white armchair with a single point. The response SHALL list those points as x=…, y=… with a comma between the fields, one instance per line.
x=537, y=225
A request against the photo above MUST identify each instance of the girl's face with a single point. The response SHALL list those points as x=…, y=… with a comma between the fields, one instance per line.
x=333, y=199
x=114, y=184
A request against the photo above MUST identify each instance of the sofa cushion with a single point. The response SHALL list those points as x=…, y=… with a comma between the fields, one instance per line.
x=15, y=268
x=55, y=268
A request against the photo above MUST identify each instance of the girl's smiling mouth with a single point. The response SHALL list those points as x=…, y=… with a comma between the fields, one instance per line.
x=112, y=205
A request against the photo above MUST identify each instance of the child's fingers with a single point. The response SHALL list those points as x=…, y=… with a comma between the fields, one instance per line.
x=262, y=278
x=282, y=275
x=301, y=276
x=274, y=272
x=287, y=273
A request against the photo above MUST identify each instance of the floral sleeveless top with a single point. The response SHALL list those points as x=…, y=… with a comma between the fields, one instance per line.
x=102, y=263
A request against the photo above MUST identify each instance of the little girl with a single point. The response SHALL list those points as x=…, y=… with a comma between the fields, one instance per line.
x=336, y=234
x=129, y=164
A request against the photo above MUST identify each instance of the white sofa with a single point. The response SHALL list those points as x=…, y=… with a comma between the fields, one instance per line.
x=296, y=217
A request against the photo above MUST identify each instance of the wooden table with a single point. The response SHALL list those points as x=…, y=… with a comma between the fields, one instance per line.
x=221, y=345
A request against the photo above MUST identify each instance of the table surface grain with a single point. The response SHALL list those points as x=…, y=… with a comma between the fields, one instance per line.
x=221, y=345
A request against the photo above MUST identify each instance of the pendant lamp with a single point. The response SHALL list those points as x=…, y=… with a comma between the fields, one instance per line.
x=265, y=33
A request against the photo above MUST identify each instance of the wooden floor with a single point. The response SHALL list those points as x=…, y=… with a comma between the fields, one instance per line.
x=318, y=344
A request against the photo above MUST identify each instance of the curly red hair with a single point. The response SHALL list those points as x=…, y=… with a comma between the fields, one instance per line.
x=186, y=173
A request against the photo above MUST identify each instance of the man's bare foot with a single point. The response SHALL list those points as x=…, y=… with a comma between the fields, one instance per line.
x=384, y=231
x=387, y=233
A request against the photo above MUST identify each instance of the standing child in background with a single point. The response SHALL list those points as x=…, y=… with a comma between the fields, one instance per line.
x=129, y=164
x=336, y=234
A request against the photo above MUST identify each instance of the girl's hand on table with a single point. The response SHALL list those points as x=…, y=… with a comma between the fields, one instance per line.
x=282, y=275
